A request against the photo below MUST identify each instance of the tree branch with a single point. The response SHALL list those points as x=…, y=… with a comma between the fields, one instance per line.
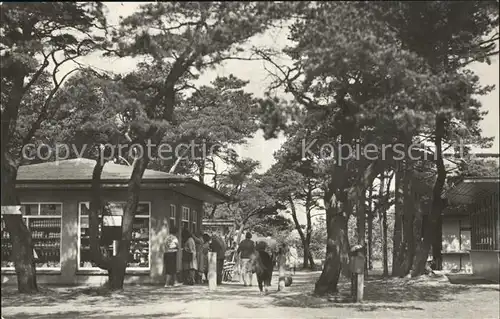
x=44, y=111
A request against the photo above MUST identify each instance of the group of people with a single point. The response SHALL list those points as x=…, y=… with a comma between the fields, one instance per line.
x=246, y=250
x=195, y=248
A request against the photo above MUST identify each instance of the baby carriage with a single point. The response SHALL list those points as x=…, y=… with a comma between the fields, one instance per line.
x=228, y=271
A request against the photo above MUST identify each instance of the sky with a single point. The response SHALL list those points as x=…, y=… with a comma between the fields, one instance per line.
x=253, y=71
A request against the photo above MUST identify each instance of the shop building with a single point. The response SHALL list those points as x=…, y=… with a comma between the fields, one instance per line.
x=480, y=197
x=55, y=202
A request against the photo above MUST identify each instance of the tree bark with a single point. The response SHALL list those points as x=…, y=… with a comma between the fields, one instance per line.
x=337, y=251
x=95, y=217
x=382, y=220
x=432, y=228
x=115, y=265
x=201, y=174
x=118, y=265
x=308, y=257
x=417, y=228
x=398, y=225
x=384, y=226
x=361, y=213
x=370, y=228
x=20, y=236
x=308, y=240
x=408, y=245
x=298, y=227
x=22, y=247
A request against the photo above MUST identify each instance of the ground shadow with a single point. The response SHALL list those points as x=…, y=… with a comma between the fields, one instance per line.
x=380, y=293
x=469, y=279
x=92, y=314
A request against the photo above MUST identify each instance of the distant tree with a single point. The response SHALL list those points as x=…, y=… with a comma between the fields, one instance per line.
x=293, y=186
x=318, y=238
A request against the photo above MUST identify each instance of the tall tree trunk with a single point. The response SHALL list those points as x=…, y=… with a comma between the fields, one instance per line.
x=95, y=217
x=312, y=264
x=20, y=236
x=437, y=243
x=408, y=223
x=337, y=212
x=385, y=227
x=337, y=249
x=308, y=240
x=298, y=227
x=370, y=228
x=432, y=233
x=308, y=260
x=398, y=224
x=118, y=265
x=22, y=247
x=417, y=228
x=305, y=259
x=382, y=219
x=115, y=265
x=201, y=173
x=361, y=220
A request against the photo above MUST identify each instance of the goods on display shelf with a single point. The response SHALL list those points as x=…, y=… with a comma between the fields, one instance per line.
x=46, y=236
x=139, y=246
x=44, y=223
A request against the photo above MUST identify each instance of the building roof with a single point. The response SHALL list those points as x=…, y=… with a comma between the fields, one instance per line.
x=81, y=169
x=77, y=173
x=471, y=189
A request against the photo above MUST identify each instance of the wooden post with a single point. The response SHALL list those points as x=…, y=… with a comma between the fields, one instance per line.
x=281, y=271
x=212, y=270
x=360, y=287
x=357, y=276
x=115, y=247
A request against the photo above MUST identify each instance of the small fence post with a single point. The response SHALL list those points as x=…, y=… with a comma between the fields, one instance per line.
x=357, y=265
x=212, y=270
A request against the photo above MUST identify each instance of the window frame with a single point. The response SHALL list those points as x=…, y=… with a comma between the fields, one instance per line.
x=174, y=217
x=79, y=241
x=195, y=221
x=27, y=218
x=188, y=221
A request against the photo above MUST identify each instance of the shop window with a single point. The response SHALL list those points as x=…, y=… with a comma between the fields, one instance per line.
x=483, y=226
x=173, y=215
x=110, y=222
x=44, y=222
x=185, y=217
x=465, y=244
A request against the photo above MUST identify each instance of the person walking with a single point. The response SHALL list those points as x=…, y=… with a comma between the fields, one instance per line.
x=206, y=248
x=189, y=263
x=292, y=258
x=219, y=246
x=245, y=251
x=170, y=258
x=198, y=240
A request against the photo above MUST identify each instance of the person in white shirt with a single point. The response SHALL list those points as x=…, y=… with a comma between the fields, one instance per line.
x=170, y=258
x=292, y=258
